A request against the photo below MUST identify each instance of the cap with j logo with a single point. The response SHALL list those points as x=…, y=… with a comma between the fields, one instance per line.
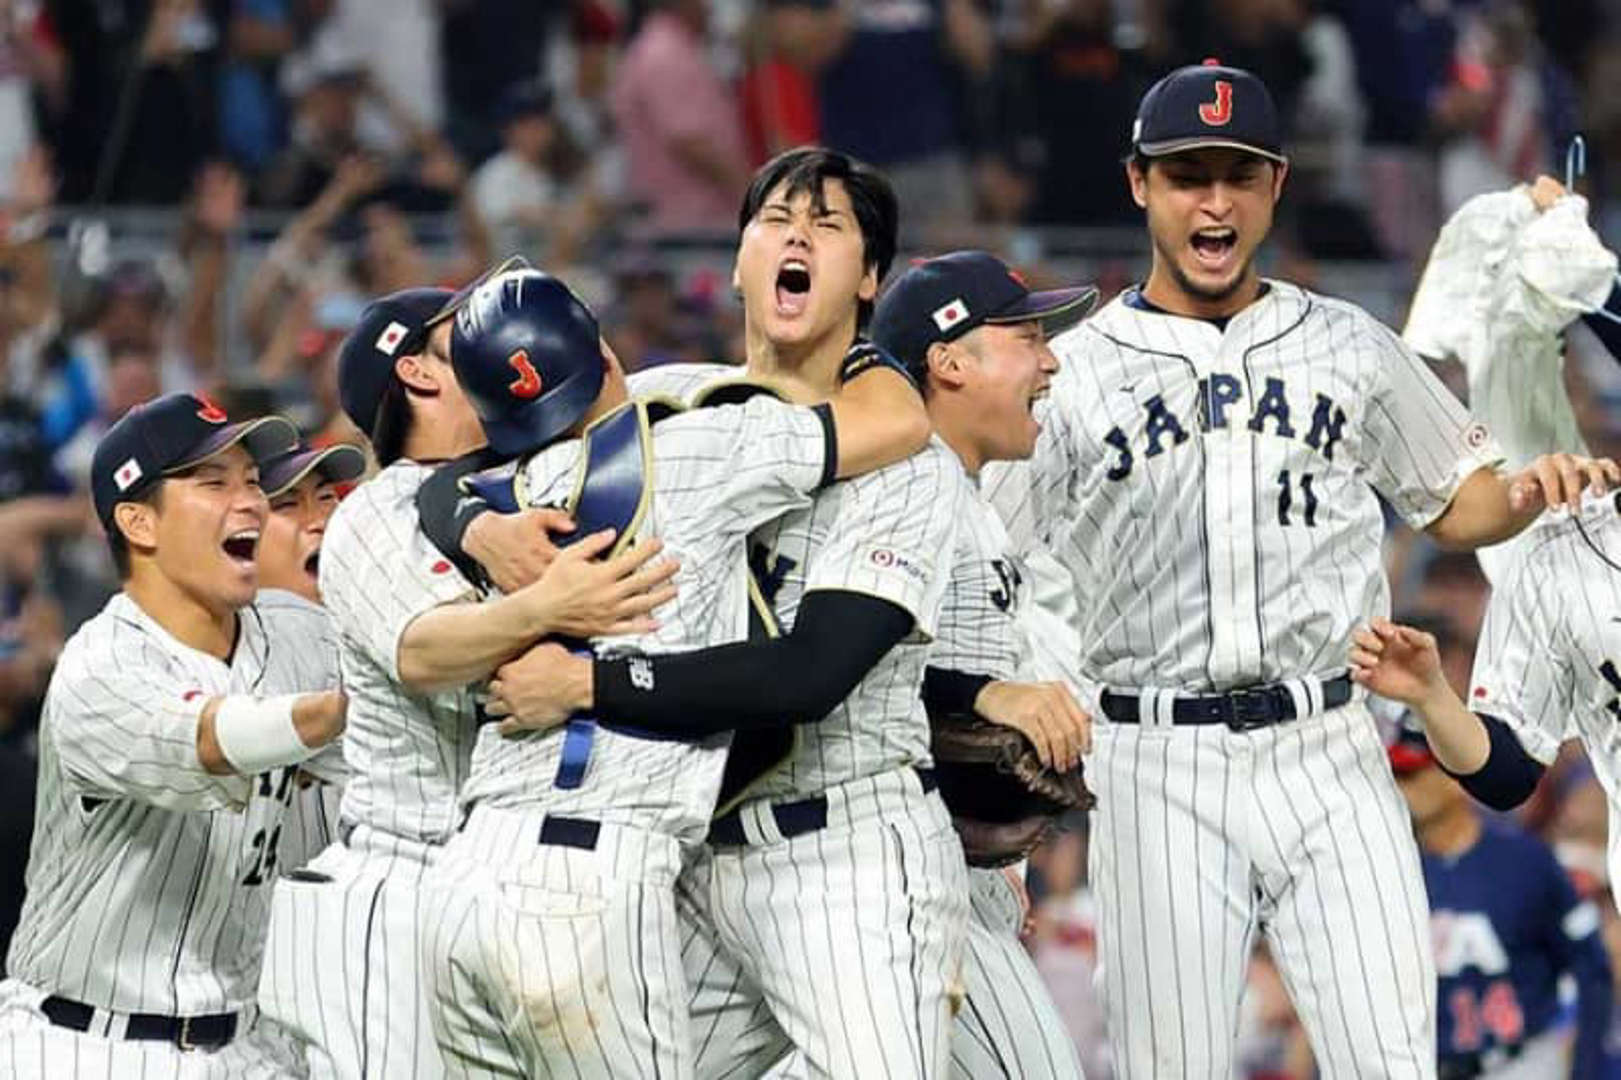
x=1208, y=105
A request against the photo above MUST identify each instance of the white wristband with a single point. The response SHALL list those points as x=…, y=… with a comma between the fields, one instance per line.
x=257, y=734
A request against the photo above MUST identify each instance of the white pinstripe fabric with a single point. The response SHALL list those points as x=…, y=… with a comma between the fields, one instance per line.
x=1552, y=628
x=718, y=472
x=148, y=878
x=1008, y=1025
x=340, y=973
x=1210, y=493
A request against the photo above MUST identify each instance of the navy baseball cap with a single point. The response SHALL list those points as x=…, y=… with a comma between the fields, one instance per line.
x=390, y=327
x=1206, y=105
x=942, y=299
x=170, y=434
x=336, y=464
x=1409, y=751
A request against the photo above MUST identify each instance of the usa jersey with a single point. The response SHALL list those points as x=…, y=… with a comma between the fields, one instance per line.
x=1211, y=490
x=1506, y=926
x=149, y=877
x=717, y=473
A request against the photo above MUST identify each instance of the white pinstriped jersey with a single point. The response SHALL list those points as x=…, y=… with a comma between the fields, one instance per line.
x=1549, y=661
x=717, y=473
x=149, y=877
x=982, y=608
x=407, y=751
x=1212, y=492
x=889, y=534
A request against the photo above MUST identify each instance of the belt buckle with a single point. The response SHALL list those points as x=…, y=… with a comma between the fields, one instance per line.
x=1249, y=709
x=183, y=1040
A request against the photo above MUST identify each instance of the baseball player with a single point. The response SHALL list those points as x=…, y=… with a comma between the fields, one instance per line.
x=983, y=366
x=341, y=972
x=594, y=985
x=302, y=488
x=1206, y=472
x=1507, y=926
x=173, y=726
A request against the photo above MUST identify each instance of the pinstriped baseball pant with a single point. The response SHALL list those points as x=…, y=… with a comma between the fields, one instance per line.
x=844, y=943
x=1203, y=837
x=552, y=960
x=1008, y=1025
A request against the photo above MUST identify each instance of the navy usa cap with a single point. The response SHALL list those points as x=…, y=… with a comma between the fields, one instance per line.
x=942, y=299
x=335, y=464
x=170, y=434
x=390, y=327
x=1206, y=105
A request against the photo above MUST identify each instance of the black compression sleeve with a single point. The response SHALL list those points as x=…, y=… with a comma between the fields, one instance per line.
x=794, y=679
x=1606, y=329
x=1509, y=775
x=444, y=511
x=947, y=691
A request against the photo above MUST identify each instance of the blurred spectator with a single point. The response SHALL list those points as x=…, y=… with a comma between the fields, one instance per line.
x=1261, y=36
x=789, y=42
x=1064, y=944
x=1083, y=91
x=489, y=46
x=253, y=118
x=683, y=136
x=521, y=198
x=132, y=377
x=139, y=116
x=1454, y=589
x=29, y=58
x=397, y=43
x=1505, y=108
x=651, y=322
x=891, y=97
x=325, y=86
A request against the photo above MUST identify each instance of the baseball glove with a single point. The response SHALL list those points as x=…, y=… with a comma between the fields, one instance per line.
x=1003, y=800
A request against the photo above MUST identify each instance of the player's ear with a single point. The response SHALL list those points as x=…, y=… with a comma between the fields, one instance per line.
x=416, y=375
x=138, y=521
x=1279, y=171
x=945, y=363
x=1138, y=179
x=869, y=284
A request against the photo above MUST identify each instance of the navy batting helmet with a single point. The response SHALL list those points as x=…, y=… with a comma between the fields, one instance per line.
x=529, y=358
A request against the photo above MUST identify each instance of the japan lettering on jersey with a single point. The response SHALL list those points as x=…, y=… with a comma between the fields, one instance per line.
x=149, y=877
x=1209, y=490
x=717, y=473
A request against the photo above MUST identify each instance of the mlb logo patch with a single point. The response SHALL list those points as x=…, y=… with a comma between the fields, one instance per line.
x=126, y=474
x=390, y=338
x=950, y=315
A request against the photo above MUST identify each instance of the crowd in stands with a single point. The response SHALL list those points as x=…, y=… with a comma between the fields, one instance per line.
x=302, y=156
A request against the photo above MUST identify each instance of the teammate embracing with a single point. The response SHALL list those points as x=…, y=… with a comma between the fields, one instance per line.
x=341, y=972
x=1206, y=472
x=173, y=727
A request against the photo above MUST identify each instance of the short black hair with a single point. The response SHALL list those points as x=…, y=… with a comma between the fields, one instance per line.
x=806, y=170
x=117, y=542
x=393, y=423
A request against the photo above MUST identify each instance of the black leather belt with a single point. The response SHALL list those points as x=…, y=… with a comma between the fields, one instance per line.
x=1241, y=710
x=793, y=818
x=187, y=1032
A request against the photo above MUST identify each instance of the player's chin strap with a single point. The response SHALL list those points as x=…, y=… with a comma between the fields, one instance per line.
x=754, y=754
x=612, y=489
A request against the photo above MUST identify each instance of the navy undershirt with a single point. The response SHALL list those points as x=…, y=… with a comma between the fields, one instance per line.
x=1134, y=298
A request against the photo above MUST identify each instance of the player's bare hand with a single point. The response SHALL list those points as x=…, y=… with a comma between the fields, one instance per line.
x=1397, y=662
x=583, y=597
x=515, y=549
x=1559, y=480
x=1546, y=191
x=539, y=689
x=1045, y=713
